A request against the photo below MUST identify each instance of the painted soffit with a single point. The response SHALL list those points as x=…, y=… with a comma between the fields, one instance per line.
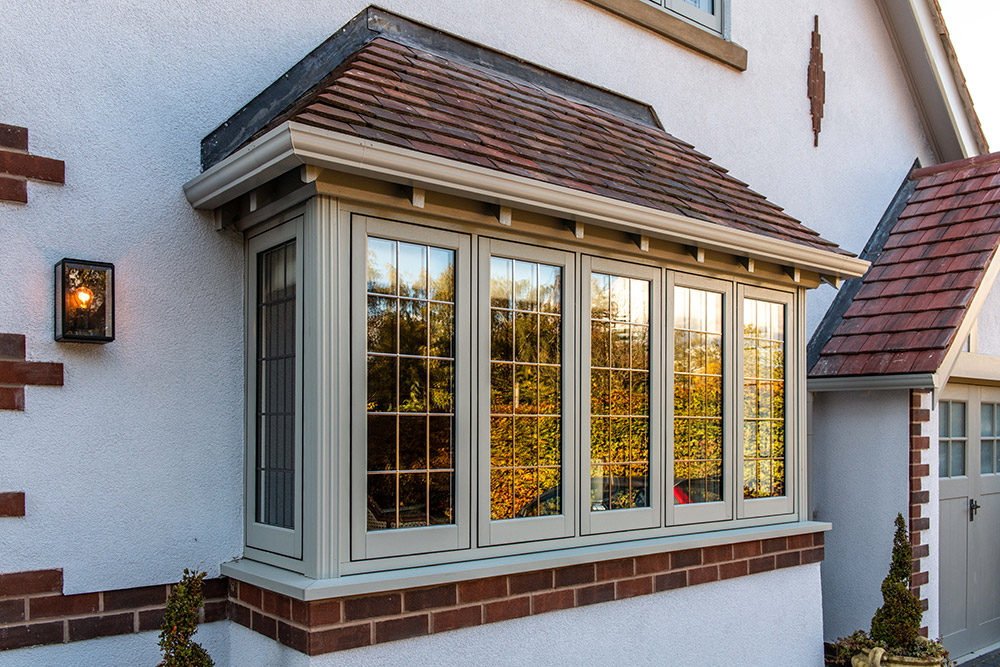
x=388, y=82
x=921, y=40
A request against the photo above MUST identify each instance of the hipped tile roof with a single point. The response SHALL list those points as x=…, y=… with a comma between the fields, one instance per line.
x=412, y=98
x=916, y=294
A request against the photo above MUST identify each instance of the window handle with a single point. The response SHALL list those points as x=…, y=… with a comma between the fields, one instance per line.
x=973, y=508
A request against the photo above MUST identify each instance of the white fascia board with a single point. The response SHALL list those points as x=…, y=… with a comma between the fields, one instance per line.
x=933, y=78
x=294, y=143
x=874, y=382
x=300, y=587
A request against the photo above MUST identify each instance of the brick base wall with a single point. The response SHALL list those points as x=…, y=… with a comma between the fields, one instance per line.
x=342, y=623
x=920, y=471
x=34, y=611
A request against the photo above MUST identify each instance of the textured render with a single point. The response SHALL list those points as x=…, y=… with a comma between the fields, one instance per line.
x=774, y=614
x=860, y=458
x=134, y=467
x=988, y=324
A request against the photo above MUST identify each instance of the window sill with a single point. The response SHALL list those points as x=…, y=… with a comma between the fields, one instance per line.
x=300, y=587
x=677, y=30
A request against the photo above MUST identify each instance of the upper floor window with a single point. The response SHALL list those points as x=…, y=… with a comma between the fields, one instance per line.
x=708, y=13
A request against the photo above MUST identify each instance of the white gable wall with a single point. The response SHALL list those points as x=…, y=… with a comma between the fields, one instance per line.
x=133, y=469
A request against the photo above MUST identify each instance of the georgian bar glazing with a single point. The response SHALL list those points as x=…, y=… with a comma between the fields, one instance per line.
x=411, y=384
x=952, y=439
x=620, y=390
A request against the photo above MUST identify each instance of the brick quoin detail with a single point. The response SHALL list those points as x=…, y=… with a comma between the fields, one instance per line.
x=920, y=471
x=33, y=610
x=17, y=167
x=11, y=504
x=336, y=624
x=16, y=372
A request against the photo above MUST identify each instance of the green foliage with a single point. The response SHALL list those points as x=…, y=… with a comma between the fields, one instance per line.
x=180, y=622
x=897, y=622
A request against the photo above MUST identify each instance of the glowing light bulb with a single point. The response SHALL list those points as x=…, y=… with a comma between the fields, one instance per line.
x=83, y=296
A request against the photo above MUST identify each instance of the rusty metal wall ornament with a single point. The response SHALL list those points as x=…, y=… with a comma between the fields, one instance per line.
x=816, y=82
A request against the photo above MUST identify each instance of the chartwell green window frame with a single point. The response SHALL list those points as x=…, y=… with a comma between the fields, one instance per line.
x=635, y=518
x=367, y=544
x=509, y=531
x=723, y=510
x=794, y=420
x=286, y=542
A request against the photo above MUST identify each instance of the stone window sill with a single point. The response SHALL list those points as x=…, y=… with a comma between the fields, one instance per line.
x=677, y=30
x=299, y=587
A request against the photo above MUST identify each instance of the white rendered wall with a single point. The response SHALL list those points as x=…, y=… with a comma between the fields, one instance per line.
x=988, y=324
x=133, y=469
x=860, y=481
x=771, y=618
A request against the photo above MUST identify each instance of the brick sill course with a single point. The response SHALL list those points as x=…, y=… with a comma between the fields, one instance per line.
x=33, y=610
x=324, y=626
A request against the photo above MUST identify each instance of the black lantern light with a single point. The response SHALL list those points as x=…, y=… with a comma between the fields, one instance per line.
x=85, y=301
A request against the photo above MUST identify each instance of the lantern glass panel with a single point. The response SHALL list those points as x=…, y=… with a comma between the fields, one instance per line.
x=85, y=301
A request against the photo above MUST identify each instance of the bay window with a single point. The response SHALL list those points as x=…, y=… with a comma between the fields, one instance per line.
x=505, y=398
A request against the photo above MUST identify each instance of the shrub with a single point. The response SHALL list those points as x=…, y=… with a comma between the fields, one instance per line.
x=897, y=622
x=180, y=622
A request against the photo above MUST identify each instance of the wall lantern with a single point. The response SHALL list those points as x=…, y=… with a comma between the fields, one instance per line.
x=85, y=301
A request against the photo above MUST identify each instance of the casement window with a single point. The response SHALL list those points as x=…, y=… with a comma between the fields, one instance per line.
x=952, y=438
x=708, y=13
x=498, y=397
x=274, y=400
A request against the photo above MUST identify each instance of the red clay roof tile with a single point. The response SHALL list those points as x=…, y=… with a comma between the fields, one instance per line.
x=913, y=299
x=408, y=97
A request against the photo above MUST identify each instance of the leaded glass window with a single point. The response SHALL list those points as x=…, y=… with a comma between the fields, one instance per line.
x=275, y=411
x=411, y=384
x=763, y=399
x=526, y=338
x=698, y=376
x=952, y=438
x=619, y=395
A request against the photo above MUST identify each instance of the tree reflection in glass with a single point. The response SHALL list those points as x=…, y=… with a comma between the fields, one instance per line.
x=525, y=389
x=619, y=394
x=763, y=399
x=698, y=446
x=411, y=384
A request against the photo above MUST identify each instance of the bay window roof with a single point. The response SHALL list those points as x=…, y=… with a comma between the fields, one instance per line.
x=384, y=82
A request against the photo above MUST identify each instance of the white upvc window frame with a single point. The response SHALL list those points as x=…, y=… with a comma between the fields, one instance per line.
x=265, y=537
x=694, y=513
x=636, y=518
x=367, y=544
x=508, y=531
x=780, y=505
x=713, y=20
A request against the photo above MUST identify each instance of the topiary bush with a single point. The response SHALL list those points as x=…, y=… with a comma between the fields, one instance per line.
x=180, y=622
x=897, y=622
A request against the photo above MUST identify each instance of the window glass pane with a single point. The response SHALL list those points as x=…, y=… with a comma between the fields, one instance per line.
x=703, y=5
x=619, y=439
x=957, y=458
x=763, y=399
x=275, y=478
x=957, y=420
x=986, y=426
x=697, y=396
x=411, y=385
x=943, y=458
x=525, y=389
x=986, y=457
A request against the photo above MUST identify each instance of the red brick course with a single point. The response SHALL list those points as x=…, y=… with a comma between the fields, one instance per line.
x=920, y=470
x=319, y=627
x=34, y=611
x=17, y=166
x=16, y=372
x=11, y=503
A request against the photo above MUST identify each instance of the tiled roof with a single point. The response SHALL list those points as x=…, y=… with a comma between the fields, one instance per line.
x=914, y=297
x=411, y=98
